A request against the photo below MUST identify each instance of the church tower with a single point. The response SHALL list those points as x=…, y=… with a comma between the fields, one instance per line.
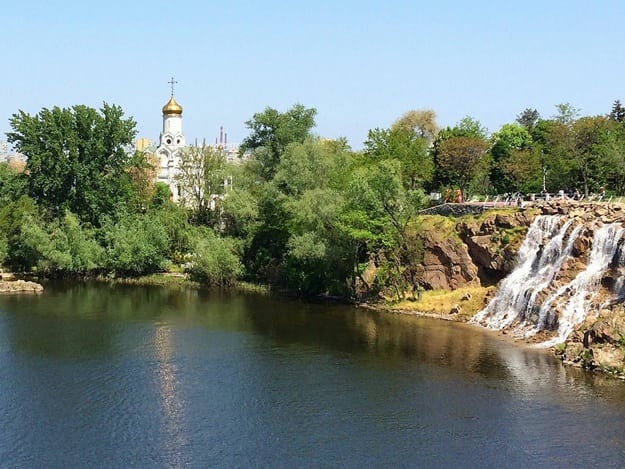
x=171, y=144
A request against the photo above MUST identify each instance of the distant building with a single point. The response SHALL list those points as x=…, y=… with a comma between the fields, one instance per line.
x=4, y=151
x=144, y=144
x=15, y=160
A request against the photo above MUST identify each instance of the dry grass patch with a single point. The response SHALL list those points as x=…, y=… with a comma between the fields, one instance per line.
x=467, y=301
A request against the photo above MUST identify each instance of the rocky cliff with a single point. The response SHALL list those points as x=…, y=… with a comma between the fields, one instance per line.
x=564, y=287
x=474, y=250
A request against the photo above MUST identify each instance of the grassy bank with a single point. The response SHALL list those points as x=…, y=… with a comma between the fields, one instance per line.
x=459, y=305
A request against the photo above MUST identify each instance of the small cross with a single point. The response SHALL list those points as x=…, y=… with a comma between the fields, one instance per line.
x=172, y=82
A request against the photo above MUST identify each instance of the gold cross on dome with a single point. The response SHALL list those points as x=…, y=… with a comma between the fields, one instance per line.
x=172, y=82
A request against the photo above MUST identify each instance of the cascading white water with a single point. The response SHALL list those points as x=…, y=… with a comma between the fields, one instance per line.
x=619, y=286
x=539, y=259
x=541, y=256
x=576, y=297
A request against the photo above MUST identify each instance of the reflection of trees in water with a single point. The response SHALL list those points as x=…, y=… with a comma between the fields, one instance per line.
x=383, y=336
x=50, y=325
x=84, y=319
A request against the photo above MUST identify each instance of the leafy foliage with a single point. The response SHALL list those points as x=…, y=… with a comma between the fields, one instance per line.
x=528, y=119
x=63, y=247
x=214, y=261
x=76, y=158
x=201, y=177
x=135, y=245
x=421, y=123
x=271, y=133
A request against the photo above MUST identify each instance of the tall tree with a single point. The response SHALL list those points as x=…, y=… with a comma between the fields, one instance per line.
x=378, y=212
x=315, y=163
x=410, y=149
x=511, y=138
x=12, y=183
x=566, y=113
x=461, y=158
x=272, y=131
x=76, y=158
x=422, y=123
x=618, y=112
x=528, y=119
x=455, y=171
x=591, y=137
x=202, y=178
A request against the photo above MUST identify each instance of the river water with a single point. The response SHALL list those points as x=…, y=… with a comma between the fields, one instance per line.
x=120, y=376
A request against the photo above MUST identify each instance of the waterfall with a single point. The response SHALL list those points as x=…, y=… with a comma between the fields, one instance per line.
x=537, y=256
x=575, y=299
x=549, y=242
x=619, y=287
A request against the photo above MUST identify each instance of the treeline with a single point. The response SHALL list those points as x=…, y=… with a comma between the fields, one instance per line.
x=301, y=212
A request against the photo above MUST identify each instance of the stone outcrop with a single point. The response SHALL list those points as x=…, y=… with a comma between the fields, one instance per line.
x=478, y=251
x=598, y=343
x=19, y=286
x=446, y=263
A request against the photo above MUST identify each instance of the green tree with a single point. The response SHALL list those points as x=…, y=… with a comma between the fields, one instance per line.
x=76, y=158
x=265, y=254
x=510, y=139
x=592, y=137
x=528, y=119
x=523, y=169
x=566, y=113
x=63, y=247
x=15, y=217
x=618, y=112
x=135, y=245
x=377, y=215
x=318, y=256
x=446, y=175
x=4, y=248
x=240, y=214
x=408, y=148
x=12, y=184
x=312, y=164
x=202, y=177
x=272, y=131
x=462, y=158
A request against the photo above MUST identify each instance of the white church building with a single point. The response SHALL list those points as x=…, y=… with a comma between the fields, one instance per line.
x=172, y=144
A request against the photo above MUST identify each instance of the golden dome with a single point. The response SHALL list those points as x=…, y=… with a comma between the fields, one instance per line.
x=172, y=107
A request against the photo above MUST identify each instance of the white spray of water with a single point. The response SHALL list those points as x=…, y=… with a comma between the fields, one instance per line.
x=546, y=247
x=539, y=258
x=575, y=298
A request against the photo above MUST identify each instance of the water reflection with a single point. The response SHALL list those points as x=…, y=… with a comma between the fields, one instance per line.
x=171, y=405
x=155, y=377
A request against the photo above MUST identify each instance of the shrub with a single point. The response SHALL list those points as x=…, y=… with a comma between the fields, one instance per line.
x=135, y=245
x=214, y=261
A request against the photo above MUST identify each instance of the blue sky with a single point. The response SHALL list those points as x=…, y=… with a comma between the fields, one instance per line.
x=361, y=64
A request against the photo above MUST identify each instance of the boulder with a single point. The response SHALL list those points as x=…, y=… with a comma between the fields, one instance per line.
x=20, y=286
